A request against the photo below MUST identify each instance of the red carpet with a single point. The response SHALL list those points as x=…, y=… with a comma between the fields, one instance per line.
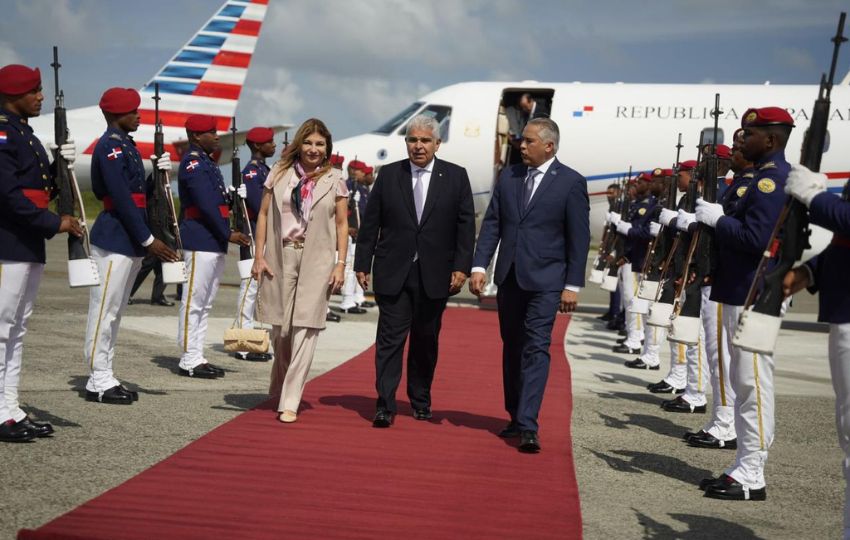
x=331, y=475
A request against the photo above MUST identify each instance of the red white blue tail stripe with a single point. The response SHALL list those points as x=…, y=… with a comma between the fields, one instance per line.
x=206, y=75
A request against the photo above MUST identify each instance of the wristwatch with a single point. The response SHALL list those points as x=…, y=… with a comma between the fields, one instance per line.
x=341, y=262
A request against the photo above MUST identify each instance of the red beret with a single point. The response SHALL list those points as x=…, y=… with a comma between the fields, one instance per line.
x=645, y=176
x=337, y=159
x=260, y=135
x=120, y=100
x=723, y=151
x=200, y=123
x=659, y=172
x=368, y=170
x=16, y=79
x=767, y=116
x=687, y=165
x=356, y=164
x=738, y=133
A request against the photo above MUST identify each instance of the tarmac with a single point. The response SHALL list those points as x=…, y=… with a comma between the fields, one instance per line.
x=636, y=478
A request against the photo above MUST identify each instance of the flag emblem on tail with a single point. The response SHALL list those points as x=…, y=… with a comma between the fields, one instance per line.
x=583, y=111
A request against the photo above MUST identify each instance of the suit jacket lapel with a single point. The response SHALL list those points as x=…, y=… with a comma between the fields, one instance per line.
x=518, y=184
x=434, y=190
x=545, y=182
x=406, y=185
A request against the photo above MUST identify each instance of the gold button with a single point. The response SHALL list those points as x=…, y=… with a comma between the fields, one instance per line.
x=44, y=177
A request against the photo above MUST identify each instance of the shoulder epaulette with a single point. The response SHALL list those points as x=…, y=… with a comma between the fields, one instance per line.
x=768, y=165
x=115, y=136
x=748, y=175
x=3, y=119
x=194, y=153
x=253, y=162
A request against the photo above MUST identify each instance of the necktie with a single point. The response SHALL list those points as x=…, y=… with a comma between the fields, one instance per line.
x=528, y=188
x=419, y=194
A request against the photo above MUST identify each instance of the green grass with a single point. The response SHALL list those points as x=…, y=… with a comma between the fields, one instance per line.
x=94, y=206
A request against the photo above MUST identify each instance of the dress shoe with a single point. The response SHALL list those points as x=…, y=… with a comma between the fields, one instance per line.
x=201, y=371
x=510, y=431
x=41, y=429
x=605, y=317
x=624, y=349
x=422, y=414
x=130, y=301
x=133, y=393
x=367, y=304
x=622, y=340
x=332, y=317
x=621, y=331
x=11, y=431
x=731, y=490
x=705, y=482
x=287, y=416
x=637, y=363
x=216, y=369
x=612, y=325
x=662, y=387
x=258, y=357
x=707, y=440
x=115, y=396
x=162, y=301
x=529, y=443
x=681, y=406
x=354, y=310
x=383, y=419
x=689, y=434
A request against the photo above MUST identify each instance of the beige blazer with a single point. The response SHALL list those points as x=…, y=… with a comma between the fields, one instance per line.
x=298, y=295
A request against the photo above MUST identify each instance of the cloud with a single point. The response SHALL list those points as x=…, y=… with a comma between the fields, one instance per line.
x=796, y=58
x=8, y=55
x=276, y=99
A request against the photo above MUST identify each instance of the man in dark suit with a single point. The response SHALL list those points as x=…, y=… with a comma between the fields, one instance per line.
x=540, y=213
x=419, y=228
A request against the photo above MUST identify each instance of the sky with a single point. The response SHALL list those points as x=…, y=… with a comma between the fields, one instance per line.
x=355, y=63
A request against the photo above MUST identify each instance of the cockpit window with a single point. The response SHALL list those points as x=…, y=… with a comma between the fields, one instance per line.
x=399, y=119
x=441, y=114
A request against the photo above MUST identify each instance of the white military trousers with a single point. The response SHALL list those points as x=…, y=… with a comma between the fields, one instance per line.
x=205, y=269
x=721, y=425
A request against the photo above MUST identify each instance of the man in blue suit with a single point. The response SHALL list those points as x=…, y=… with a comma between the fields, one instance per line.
x=539, y=217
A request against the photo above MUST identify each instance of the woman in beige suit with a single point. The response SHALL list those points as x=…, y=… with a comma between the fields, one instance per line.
x=302, y=238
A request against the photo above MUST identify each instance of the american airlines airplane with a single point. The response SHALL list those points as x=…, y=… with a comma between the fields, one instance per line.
x=205, y=76
x=605, y=129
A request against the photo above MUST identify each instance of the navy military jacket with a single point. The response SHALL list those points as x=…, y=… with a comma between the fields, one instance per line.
x=735, y=191
x=829, y=268
x=254, y=176
x=637, y=241
x=742, y=236
x=24, y=165
x=204, y=203
x=118, y=179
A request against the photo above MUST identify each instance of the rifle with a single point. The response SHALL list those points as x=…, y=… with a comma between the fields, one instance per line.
x=609, y=283
x=82, y=270
x=698, y=263
x=597, y=271
x=242, y=222
x=662, y=310
x=650, y=276
x=758, y=326
x=161, y=212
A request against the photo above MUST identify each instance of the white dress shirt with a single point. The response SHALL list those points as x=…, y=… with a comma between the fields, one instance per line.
x=541, y=174
x=426, y=176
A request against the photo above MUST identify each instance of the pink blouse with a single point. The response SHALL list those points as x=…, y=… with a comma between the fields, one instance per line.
x=293, y=227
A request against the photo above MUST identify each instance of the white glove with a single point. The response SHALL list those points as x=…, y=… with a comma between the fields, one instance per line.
x=242, y=191
x=68, y=151
x=163, y=162
x=708, y=213
x=667, y=216
x=623, y=227
x=684, y=220
x=614, y=218
x=804, y=185
x=654, y=228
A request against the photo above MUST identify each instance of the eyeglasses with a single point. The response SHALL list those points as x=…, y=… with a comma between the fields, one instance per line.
x=423, y=140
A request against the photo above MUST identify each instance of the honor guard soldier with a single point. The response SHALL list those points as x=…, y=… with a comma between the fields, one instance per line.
x=260, y=141
x=205, y=232
x=826, y=273
x=353, y=298
x=741, y=240
x=25, y=223
x=120, y=238
x=636, y=229
x=719, y=430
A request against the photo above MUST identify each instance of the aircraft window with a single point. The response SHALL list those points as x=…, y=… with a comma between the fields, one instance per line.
x=708, y=134
x=441, y=114
x=399, y=119
x=825, y=140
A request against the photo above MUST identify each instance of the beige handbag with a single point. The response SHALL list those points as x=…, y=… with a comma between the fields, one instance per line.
x=249, y=340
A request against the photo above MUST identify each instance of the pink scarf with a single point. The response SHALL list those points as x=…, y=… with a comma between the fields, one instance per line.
x=306, y=186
